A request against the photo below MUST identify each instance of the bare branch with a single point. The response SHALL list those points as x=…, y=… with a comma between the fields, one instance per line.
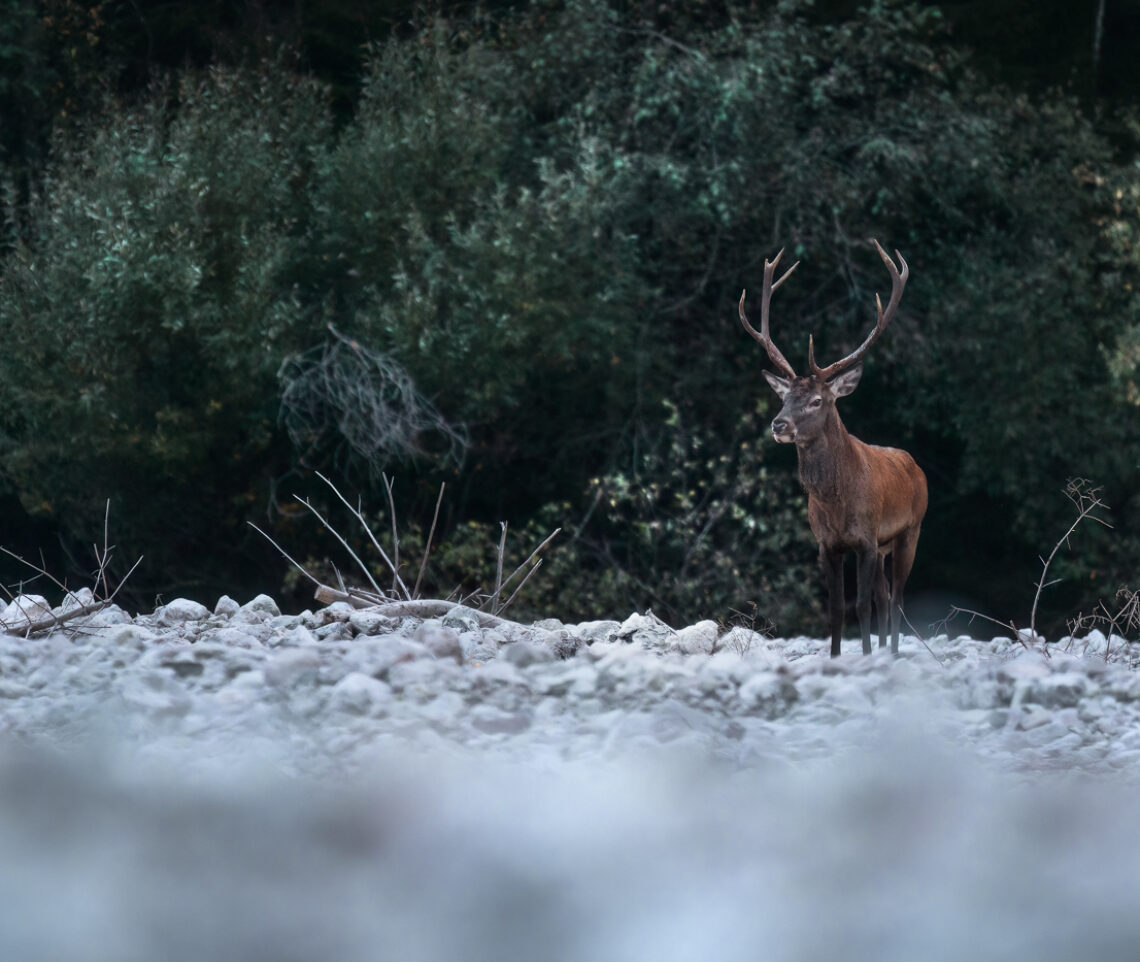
x=550, y=537
x=371, y=537
x=506, y=604
x=389, y=483
x=347, y=547
x=1086, y=500
x=427, y=545
x=285, y=554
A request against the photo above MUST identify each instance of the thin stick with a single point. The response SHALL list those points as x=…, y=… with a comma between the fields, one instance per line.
x=284, y=553
x=918, y=635
x=389, y=484
x=503, y=607
x=106, y=540
x=43, y=571
x=371, y=537
x=427, y=547
x=1015, y=632
x=549, y=538
x=123, y=580
x=336, y=534
x=499, y=569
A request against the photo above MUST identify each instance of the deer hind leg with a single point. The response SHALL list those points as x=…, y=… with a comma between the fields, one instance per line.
x=882, y=600
x=870, y=570
x=902, y=558
x=833, y=569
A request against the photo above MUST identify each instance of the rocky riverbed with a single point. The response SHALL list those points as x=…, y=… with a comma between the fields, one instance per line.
x=241, y=783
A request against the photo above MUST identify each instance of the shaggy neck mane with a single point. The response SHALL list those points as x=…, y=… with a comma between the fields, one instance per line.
x=827, y=460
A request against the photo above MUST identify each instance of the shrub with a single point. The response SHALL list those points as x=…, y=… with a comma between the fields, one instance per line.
x=145, y=312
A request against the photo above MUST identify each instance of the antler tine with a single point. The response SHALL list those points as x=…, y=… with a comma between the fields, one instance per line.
x=762, y=335
x=898, y=282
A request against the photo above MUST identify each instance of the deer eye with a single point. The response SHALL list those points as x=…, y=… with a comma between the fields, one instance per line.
x=814, y=403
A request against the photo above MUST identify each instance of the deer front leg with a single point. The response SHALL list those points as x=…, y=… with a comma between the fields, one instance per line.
x=869, y=572
x=882, y=601
x=833, y=569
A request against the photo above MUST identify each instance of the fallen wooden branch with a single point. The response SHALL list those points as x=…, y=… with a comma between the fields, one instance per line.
x=52, y=621
x=415, y=608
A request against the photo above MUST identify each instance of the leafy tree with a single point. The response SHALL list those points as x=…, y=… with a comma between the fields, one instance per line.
x=144, y=311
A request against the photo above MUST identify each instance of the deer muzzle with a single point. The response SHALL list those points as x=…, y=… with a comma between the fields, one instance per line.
x=784, y=431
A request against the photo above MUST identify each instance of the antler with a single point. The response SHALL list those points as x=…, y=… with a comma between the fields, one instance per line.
x=765, y=299
x=898, y=282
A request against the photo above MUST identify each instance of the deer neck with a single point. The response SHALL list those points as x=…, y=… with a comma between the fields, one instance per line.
x=828, y=460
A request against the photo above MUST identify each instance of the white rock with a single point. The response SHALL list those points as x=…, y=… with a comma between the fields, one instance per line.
x=632, y=624
x=181, y=610
x=700, y=638
x=593, y=631
x=226, y=607
x=233, y=637
x=1034, y=716
x=157, y=692
x=1063, y=690
x=441, y=641
x=461, y=619
x=334, y=631
x=76, y=599
x=368, y=622
x=1028, y=666
x=361, y=694
x=22, y=610
x=424, y=678
x=492, y=720
x=337, y=611
x=375, y=655
x=524, y=653
x=291, y=665
x=646, y=630
x=443, y=710
x=261, y=608
x=105, y=618
x=126, y=637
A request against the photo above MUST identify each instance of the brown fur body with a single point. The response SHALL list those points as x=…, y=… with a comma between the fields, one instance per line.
x=857, y=490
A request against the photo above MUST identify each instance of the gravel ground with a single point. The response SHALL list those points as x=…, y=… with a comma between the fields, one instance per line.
x=243, y=784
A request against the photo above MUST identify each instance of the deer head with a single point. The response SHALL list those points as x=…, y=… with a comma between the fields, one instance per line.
x=809, y=401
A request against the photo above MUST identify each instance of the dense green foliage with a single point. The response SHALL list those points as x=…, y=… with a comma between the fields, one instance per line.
x=529, y=235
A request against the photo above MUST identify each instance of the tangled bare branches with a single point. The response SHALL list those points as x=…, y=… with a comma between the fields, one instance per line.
x=1116, y=621
x=342, y=393
x=36, y=617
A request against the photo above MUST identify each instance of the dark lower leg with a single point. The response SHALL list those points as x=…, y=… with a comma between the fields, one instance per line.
x=833, y=569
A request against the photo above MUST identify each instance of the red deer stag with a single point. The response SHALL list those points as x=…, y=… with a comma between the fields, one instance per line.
x=861, y=498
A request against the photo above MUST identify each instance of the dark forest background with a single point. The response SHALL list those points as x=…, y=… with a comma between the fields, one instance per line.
x=500, y=245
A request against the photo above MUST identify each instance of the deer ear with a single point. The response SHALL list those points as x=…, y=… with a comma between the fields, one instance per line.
x=843, y=384
x=780, y=385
